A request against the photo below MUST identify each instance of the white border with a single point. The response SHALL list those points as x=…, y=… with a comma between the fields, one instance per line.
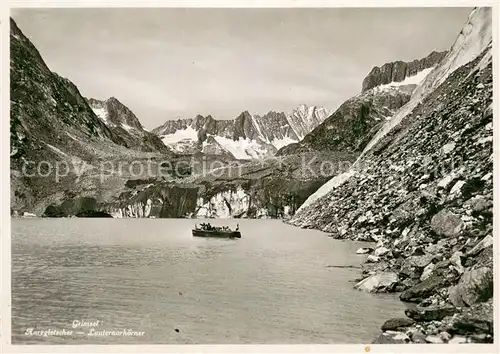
x=5, y=182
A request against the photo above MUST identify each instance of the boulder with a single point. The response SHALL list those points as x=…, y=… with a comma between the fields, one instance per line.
x=445, y=223
x=476, y=319
x=397, y=323
x=456, y=262
x=423, y=289
x=448, y=148
x=434, y=339
x=478, y=204
x=427, y=271
x=472, y=324
x=441, y=267
x=456, y=189
x=392, y=337
x=420, y=261
x=373, y=268
x=485, y=258
x=372, y=259
x=481, y=338
x=408, y=271
x=380, y=282
x=458, y=340
x=416, y=335
x=381, y=251
x=430, y=313
x=475, y=285
x=437, y=247
x=455, y=297
x=364, y=250
x=445, y=336
x=484, y=243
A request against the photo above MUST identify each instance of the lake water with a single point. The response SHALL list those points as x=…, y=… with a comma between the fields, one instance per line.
x=150, y=275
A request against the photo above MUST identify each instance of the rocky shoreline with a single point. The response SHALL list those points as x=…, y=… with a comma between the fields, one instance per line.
x=451, y=301
x=424, y=194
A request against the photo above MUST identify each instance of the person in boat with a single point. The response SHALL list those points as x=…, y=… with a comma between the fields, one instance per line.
x=237, y=227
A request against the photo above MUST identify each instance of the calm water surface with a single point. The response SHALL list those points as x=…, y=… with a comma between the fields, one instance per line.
x=271, y=286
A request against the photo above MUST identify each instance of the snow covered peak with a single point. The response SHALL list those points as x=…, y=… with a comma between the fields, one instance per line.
x=304, y=119
x=116, y=115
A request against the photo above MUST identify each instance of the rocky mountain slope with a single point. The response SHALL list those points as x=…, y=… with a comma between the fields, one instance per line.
x=358, y=119
x=423, y=190
x=54, y=133
x=123, y=122
x=245, y=137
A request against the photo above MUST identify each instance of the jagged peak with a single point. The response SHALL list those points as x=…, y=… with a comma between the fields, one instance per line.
x=113, y=99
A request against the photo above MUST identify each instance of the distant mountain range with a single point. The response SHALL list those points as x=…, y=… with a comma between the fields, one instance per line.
x=245, y=137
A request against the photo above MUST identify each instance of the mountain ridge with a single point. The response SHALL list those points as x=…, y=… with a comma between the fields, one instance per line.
x=398, y=71
x=254, y=136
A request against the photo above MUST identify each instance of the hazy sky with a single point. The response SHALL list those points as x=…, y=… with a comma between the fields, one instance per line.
x=170, y=63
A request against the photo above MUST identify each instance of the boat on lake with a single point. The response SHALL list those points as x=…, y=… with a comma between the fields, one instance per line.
x=207, y=230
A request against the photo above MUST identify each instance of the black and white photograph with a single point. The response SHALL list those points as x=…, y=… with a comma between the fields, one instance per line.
x=250, y=175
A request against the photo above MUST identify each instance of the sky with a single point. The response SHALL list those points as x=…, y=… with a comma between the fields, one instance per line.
x=170, y=63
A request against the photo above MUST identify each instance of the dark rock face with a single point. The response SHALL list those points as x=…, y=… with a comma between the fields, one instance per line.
x=431, y=313
x=475, y=285
x=379, y=282
x=397, y=323
x=423, y=290
x=478, y=319
x=93, y=214
x=78, y=206
x=399, y=70
x=446, y=223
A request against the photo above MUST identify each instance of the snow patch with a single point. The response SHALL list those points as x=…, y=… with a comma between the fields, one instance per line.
x=102, y=113
x=56, y=150
x=242, y=149
x=185, y=134
x=279, y=143
x=127, y=127
x=410, y=80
